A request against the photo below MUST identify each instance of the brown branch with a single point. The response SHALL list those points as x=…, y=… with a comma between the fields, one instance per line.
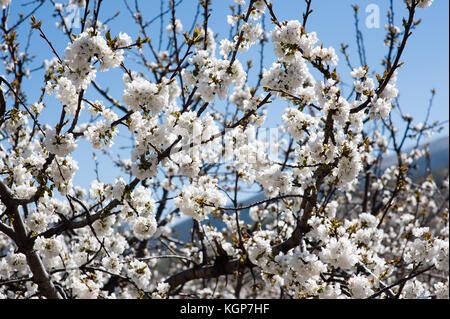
x=206, y=272
x=403, y=280
x=25, y=245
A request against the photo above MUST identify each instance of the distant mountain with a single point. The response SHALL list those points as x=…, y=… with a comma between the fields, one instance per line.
x=439, y=155
x=439, y=160
x=439, y=149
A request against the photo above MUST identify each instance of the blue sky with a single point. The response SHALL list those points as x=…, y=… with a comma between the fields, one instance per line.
x=426, y=55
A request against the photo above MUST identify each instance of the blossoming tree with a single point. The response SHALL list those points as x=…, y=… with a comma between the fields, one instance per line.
x=334, y=222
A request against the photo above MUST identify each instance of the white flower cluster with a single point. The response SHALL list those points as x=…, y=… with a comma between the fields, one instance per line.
x=321, y=146
x=50, y=247
x=200, y=198
x=82, y=52
x=138, y=208
x=13, y=263
x=144, y=227
x=344, y=246
x=250, y=159
x=252, y=33
x=213, y=76
x=178, y=27
x=142, y=204
x=275, y=182
x=340, y=252
x=426, y=250
x=291, y=40
x=360, y=287
x=78, y=71
x=259, y=248
x=380, y=105
x=62, y=171
x=66, y=93
x=102, y=132
x=258, y=9
x=293, y=78
x=60, y=145
x=39, y=220
x=141, y=94
x=298, y=123
x=140, y=273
